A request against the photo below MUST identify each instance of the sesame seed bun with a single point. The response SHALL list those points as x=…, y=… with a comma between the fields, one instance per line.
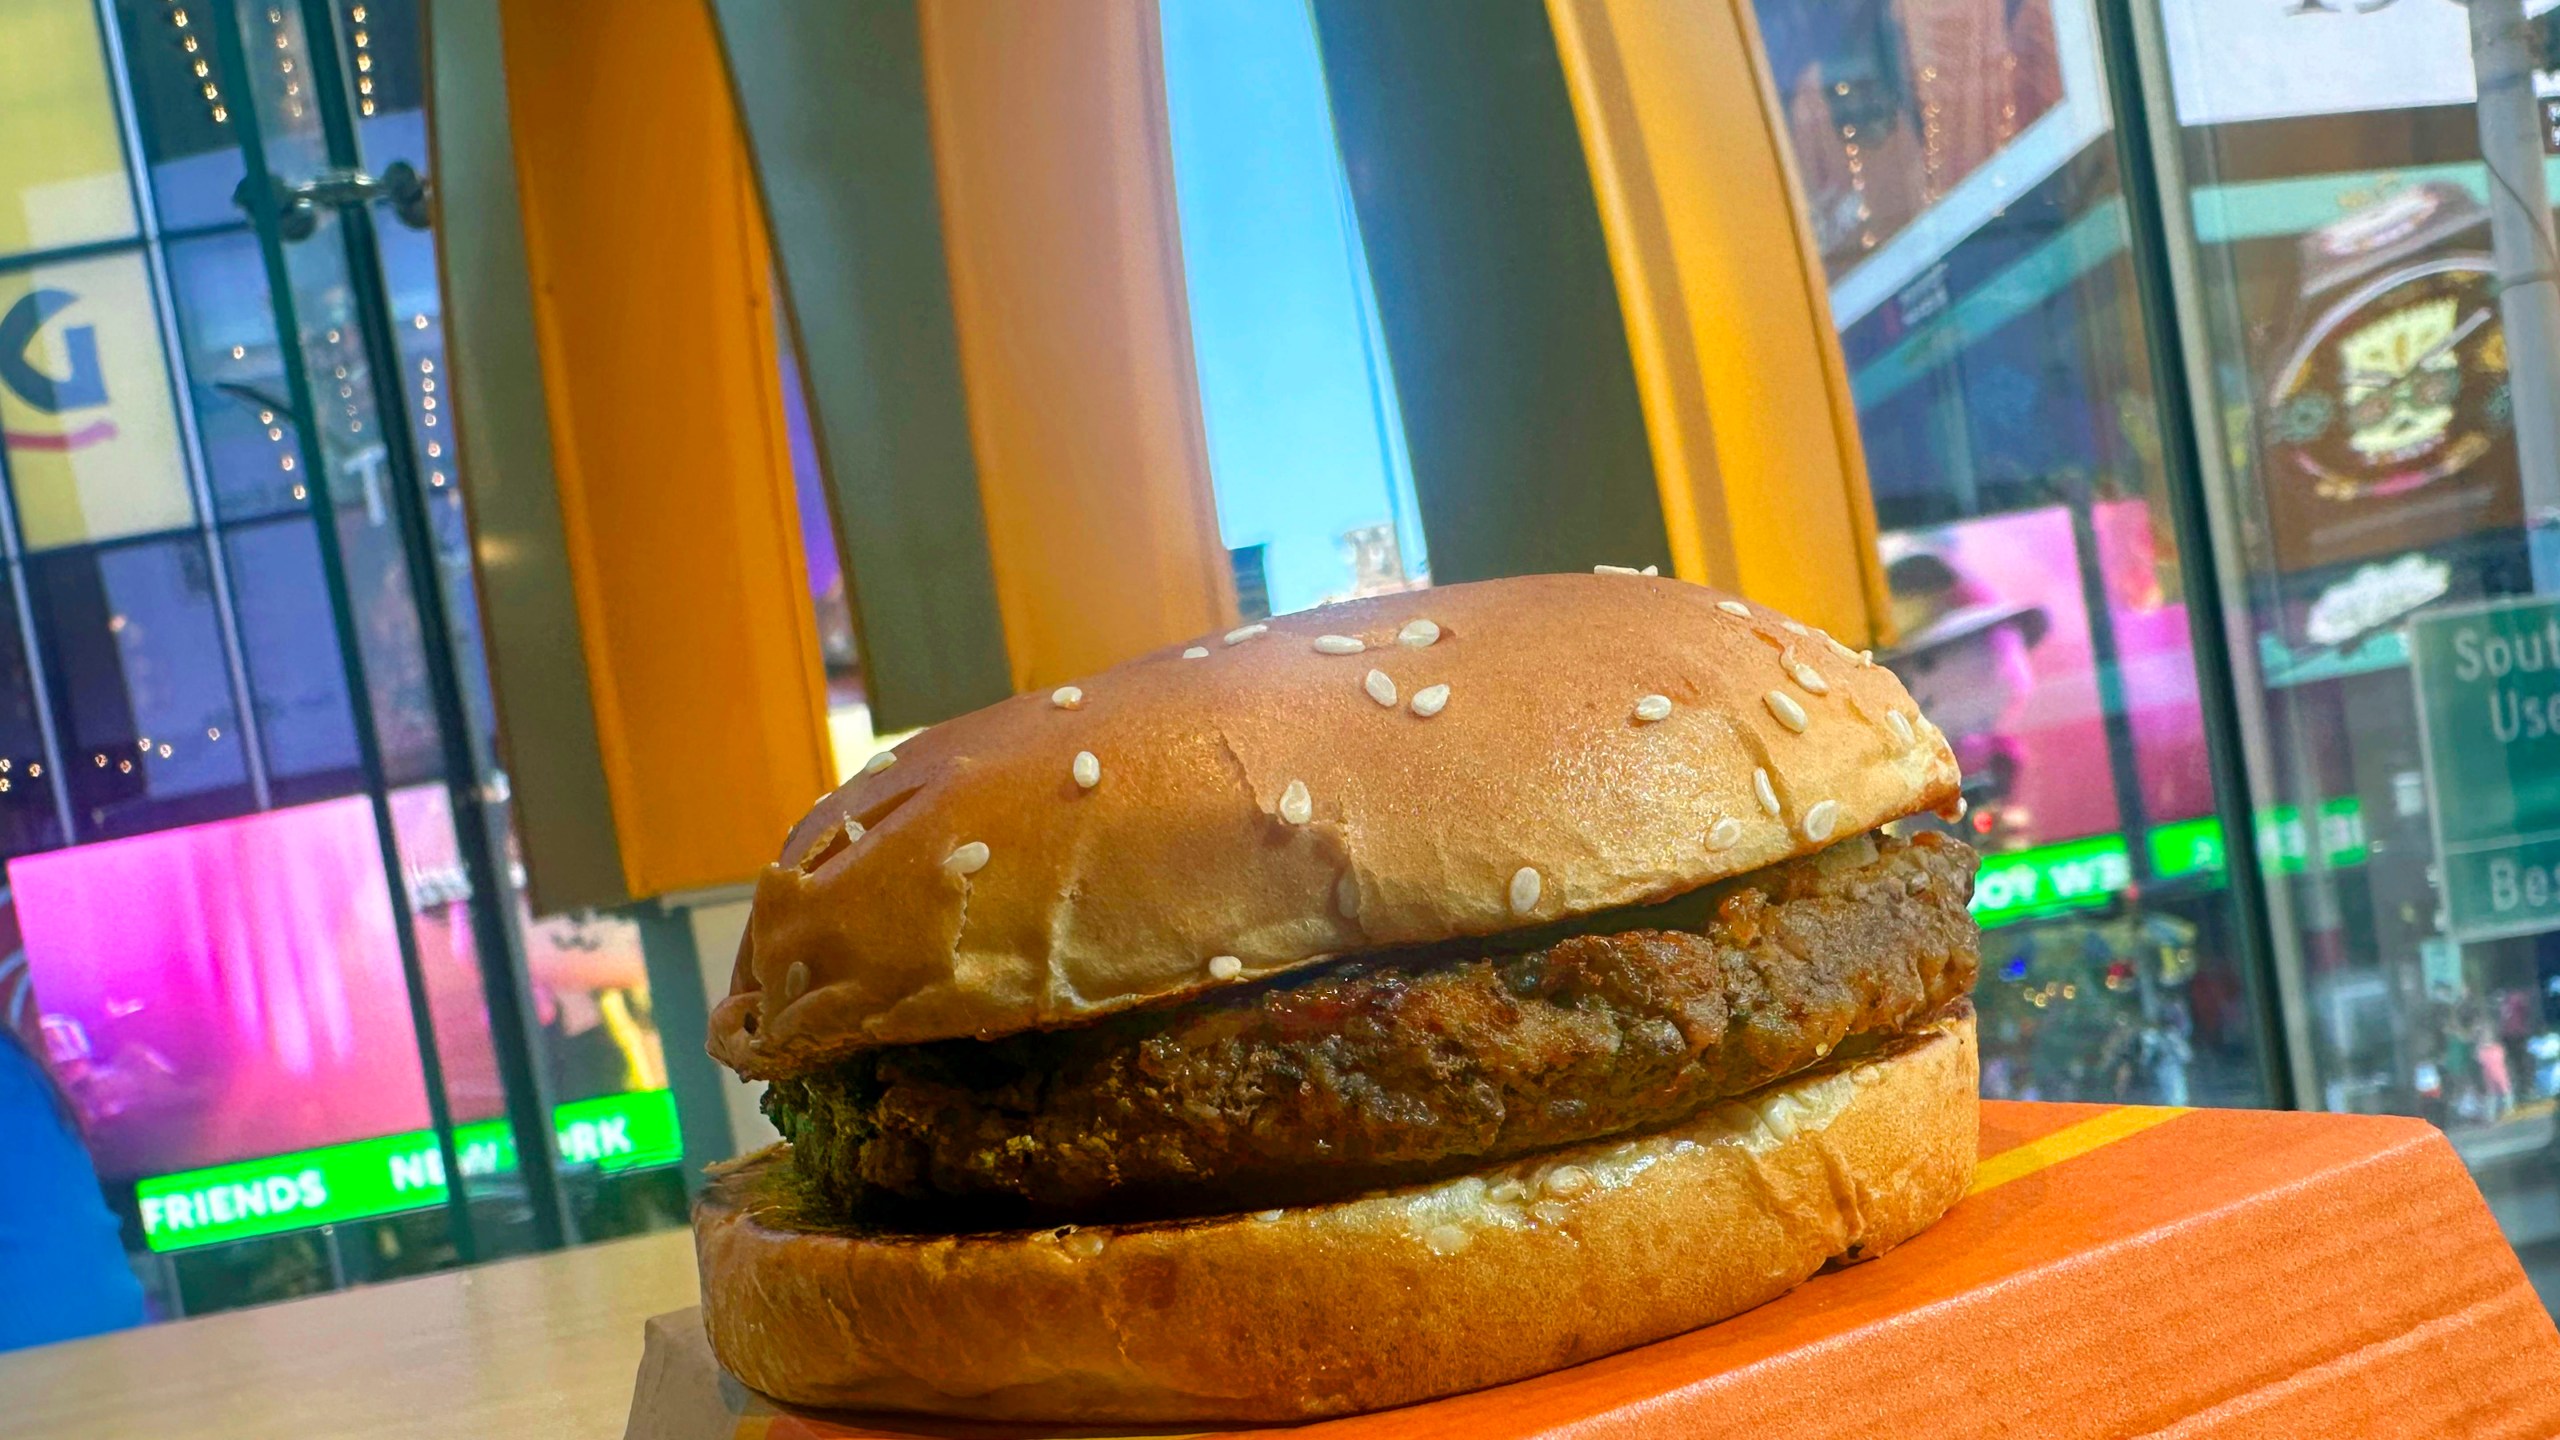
x=1305, y=788
x=1381, y=1300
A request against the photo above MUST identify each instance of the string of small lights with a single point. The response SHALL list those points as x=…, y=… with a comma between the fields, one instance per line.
x=191, y=45
x=284, y=61
x=364, y=58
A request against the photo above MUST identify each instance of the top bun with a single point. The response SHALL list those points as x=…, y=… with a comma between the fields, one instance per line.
x=1278, y=796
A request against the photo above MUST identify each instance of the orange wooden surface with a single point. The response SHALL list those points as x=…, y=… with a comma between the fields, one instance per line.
x=2236, y=1273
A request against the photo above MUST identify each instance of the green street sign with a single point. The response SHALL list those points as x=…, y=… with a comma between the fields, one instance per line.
x=2488, y=681
x=392, y=1173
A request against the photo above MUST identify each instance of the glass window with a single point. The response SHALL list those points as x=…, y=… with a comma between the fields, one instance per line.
x=1306, y=445
x=85, y=406
x=387, y=631
x=227, y=341
x=296, y=682
x=1964, y=195
x=28, y=820
x=183, y=101
x=141, y=691
x=290, y=648
x=2371, y=388
x=62, y=179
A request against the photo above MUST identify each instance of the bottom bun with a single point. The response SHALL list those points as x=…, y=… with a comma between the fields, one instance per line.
x=1376, y=1301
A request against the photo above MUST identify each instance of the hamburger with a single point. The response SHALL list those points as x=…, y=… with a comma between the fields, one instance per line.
x=1390, y=1000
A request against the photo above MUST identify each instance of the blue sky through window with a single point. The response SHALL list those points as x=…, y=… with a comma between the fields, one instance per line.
x=1305, y=442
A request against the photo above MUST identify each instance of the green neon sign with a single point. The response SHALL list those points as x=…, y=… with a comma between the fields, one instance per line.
x=391, y=1173
x=2186, y=847
x=2285, y=842
x=2070, y=876
x=2081, y=874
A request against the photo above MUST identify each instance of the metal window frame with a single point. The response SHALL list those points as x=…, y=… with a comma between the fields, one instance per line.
x=2210, y=560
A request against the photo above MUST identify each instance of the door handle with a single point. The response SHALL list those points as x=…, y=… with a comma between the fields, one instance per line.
x=297, y=207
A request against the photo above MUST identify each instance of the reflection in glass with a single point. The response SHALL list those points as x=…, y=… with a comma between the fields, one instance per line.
x=227, y=336
x=1964, y=194
x=141, y=695
x=184, y=103
x=296, y=681
x=2366, y=449
x=28, y=820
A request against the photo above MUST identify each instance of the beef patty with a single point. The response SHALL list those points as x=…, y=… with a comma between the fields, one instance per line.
x=1399, y=1066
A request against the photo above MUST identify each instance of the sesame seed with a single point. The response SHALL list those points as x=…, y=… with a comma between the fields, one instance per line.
x=1430, y=700
x=1380, y=688
x=1296, y=805
x=1652, y=708
x=1803, y=674
x=1789, y=713
x=1566, y=1181
x=1843, y=651
x=1196, y=652
x=1225, y=967
x=969, y=859
x=1085, y=1244
x=1339, y=645
x=795, y=981
x=1086, y=769
x=1866, y=657
x=1900, y=725
x=1267, y=1216
x=1734, y=607
x=1615, y=570
x=1819, y=819
x=1650, y=570
x=1793, y=628
x=1242, y=633
x=1447, y=1239
x=1525, y=886
x=1346, y=896
x=1724, y=834
x=1761, y=787
x=879, y=762
x=1418, y=633
x=1067, y=697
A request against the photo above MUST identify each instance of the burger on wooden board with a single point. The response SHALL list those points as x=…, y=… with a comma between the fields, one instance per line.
x=1381, y=1002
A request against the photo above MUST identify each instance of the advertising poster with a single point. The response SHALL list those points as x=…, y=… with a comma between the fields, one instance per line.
x=85, y=408
x=2383, y=418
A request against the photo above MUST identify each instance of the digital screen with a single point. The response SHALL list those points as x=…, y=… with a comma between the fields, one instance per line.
x=1998, y=649
x=1995, y=648
x=232, y=991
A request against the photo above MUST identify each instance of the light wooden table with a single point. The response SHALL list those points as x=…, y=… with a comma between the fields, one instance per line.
x=536, y=1349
